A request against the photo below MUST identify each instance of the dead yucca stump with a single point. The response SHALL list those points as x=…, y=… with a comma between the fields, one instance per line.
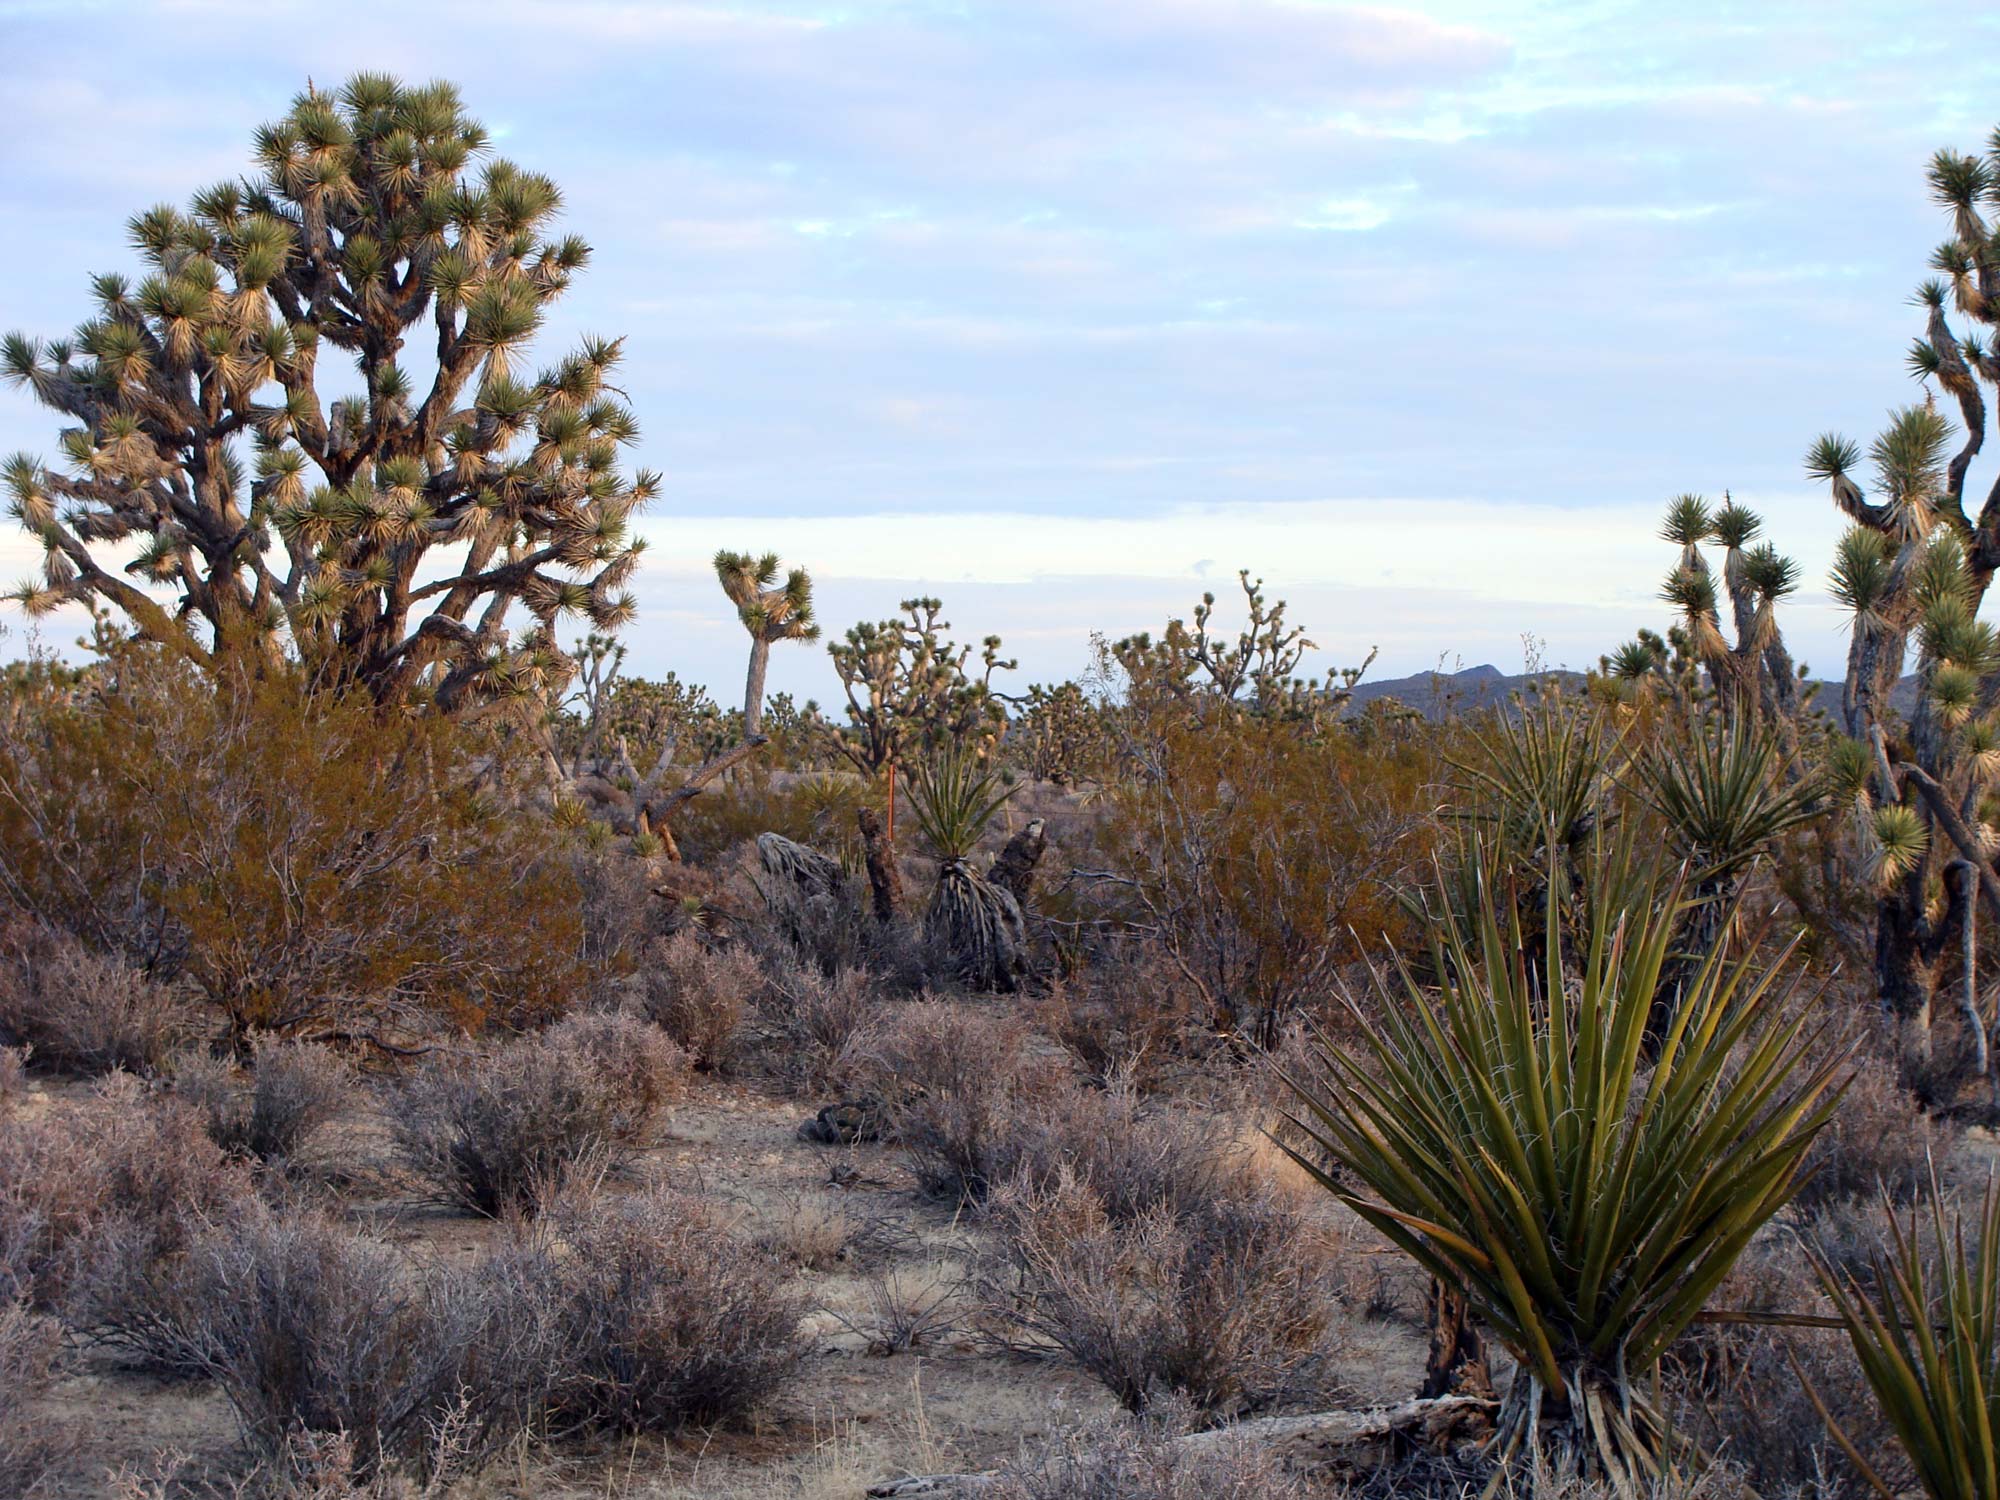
x=976, y=929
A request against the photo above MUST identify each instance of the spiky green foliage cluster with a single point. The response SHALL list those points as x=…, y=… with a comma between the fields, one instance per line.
x=771, y=611
x=380, y=515
x=1723, y=796
x=1925, y=1328
x=1750, y=675
x=1538, y=781
x=955, y=796
x=1504, y=1130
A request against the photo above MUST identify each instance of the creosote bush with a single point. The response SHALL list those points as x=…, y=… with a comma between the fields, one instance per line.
x=503, y=1131
x=307, y=864
x=84, y=1012
x=700, y=995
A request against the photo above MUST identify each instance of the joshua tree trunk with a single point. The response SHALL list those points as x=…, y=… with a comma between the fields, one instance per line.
x=753, y=687
x=885, y=878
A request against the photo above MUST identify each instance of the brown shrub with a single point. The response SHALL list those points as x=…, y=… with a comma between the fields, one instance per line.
x=292, y=1091
x=28, y=1443
x=13, y=1072
x=658, y=1318
x=1880, y=1139
x=1139, y=1248
x=962, y=1079
x=503, y=1130
x=822, y=1026
x=699, y=995
x=302, y=860
x=83, y=1012
x=117, y=1160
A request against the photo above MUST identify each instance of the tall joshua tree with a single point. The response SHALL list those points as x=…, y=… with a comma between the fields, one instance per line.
x=380, y=515
x=1752, y=677
x=1914, y=569
x=770, y=611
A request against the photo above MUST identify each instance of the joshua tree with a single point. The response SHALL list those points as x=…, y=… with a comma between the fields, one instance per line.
x=1259, y=672
x=770, y=612
x=385, y=532
x=907, y=688
x=1915, y=563
x=1752, y=677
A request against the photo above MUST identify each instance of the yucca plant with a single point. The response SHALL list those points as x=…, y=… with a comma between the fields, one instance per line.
x=1722, y=793
x=954, y=797
x=973, y=925
x=1538, y=780
x=1499, y=1129
x=1927, y=1335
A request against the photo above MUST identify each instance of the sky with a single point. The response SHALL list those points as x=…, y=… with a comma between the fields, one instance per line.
x=1066, y=310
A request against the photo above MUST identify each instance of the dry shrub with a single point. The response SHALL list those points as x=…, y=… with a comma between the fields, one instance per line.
x=83, y=1012
x=1741, y=1397
x=1130, y=1460
x=656, y=1318
x=312, y=1331
x=13, y=1072
x=117, y=1161
x=1880, y=1139
x=1170, y=1275
x=292, y=1091
x=501, y=1131
x=822, y=1026
x=965, y=1080
x=641, y=1067
x=1124, y=1018
x=699, y=995
x=28, y=1443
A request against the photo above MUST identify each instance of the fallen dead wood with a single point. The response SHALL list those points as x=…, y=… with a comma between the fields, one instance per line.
x=1347, y=1442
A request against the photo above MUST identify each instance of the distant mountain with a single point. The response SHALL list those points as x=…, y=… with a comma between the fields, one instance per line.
x=1435, y=694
